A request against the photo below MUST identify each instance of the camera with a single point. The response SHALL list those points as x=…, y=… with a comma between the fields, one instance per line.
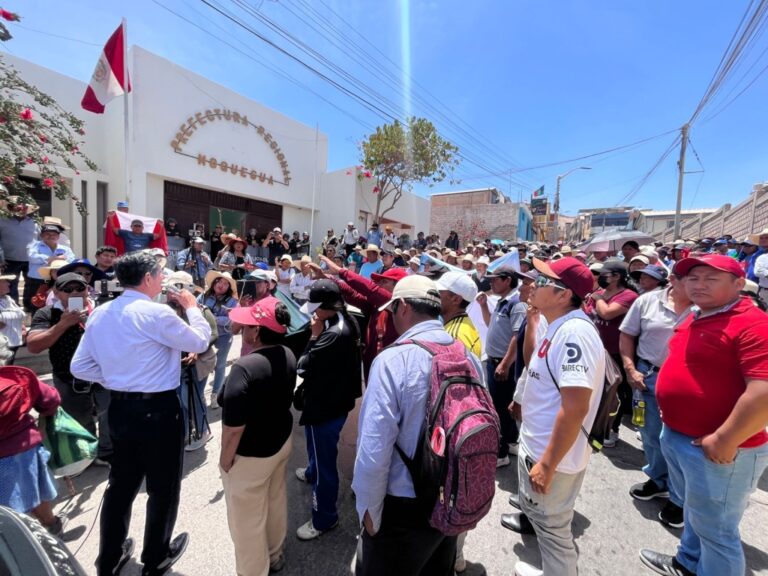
x=106, y=290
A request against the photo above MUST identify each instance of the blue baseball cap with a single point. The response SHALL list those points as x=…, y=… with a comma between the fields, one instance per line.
x=653, y=271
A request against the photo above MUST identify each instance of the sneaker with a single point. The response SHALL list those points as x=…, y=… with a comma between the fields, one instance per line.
x=663, y=564
x=301, y=474
x=610, y=442
x=199, y=443
x=175, y=551
x=309, y=532
x=513, y=447
x=525, y=569
x=671, y=515
x=647, y=491
x=214, y=400
x=501, y=462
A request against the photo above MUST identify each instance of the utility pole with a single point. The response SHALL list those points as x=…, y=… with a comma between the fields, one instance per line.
x=680, y=177
x=553, y=238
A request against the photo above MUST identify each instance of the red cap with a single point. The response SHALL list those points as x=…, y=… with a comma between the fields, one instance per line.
x=262, y=313
x=573, y=273
x=716, y=261
x=395, y=274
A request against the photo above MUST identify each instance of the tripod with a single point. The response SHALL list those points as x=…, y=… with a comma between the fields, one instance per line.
x=195, y=406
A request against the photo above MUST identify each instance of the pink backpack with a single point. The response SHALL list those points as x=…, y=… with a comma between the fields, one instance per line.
x=454, y=467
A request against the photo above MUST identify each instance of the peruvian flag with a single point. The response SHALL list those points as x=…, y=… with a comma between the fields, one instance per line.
x=122, y=221
x=108, y=78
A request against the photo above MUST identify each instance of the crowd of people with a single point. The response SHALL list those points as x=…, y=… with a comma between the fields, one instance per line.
x=539, y=324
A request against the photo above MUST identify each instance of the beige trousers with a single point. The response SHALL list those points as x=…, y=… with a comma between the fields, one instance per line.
x=257, y=510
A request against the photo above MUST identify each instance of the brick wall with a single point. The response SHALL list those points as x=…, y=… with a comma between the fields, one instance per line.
x=474, y=221
x=463, y=199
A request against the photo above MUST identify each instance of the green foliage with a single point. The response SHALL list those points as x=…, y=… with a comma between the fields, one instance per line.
x=36, y=134
x=398, y=156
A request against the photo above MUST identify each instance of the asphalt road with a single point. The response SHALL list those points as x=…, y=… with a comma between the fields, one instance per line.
x=610, y=527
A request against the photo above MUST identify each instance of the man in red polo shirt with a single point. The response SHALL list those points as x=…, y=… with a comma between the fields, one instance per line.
x=713, y=396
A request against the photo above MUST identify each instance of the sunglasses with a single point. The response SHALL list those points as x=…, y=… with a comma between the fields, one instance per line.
x=543, y=282
x=71, y=289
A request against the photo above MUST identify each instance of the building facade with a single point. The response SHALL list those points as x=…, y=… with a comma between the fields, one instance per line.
x=479, y=214
x=203, y=154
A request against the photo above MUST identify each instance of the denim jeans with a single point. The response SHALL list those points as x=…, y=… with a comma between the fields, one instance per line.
x=715, y=497
x=502, y=392
x=656, y=468
x=322, y=471
x=223, y=344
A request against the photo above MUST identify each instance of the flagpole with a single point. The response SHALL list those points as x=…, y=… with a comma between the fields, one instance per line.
x=314, y=189
x=126, y=143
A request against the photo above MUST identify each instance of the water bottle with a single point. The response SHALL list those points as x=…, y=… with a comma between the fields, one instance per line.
x=638, y=408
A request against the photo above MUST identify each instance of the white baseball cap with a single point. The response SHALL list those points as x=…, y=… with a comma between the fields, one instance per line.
x=414, y=286
x=483, y=260
x=458, y=283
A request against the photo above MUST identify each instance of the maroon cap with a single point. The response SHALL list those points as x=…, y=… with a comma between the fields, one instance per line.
x=716, y=261
x=395, y=274
x=573, y=273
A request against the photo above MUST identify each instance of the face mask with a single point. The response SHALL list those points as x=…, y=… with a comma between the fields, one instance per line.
x=603, y=282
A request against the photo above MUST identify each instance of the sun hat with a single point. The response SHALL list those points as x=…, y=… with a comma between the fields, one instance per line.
x=259, y=275
x=653, y=271
x=502, y=272
x=395, y=274
x=198, y=240
x=414, y=286
x=640, y=258
x=16, y=204
x=573, y=273
x=717, y=261
x=45, y=271
x=262, y=313
x=483, y=260
x=214, y=275
x=458, y=283
x=53, y=221
x=324, y=294
x=183, y=278
x=372, y=248
x=96, y=274
x=286, y=257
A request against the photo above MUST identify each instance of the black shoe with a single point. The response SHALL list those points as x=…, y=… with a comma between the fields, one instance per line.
x=663, y=564
x=517, y=522
x=175, y=551
x=671, y=515
x=128, y=547
x=647, y=491
x=514, y=500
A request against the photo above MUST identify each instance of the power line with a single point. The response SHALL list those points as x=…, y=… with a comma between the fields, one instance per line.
x=644, y=180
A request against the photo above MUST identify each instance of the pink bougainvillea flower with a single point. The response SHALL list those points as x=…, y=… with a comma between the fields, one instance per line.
x=3, y=120
x=44, y=159
x=376, y=190
x=75, y=150
x=349, y=172
x=43, y=138
x=29, y=161
x=7, y=180
x=26, y=114
x=48, y=183
x=77, y=172
x=367, y=173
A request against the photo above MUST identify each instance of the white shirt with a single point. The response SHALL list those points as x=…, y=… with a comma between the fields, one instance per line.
x=389, y=242
x=350, y=236
x=133, y=344
x=12, y=315
x=300, y=286
x=761, y=270
x=577, y=358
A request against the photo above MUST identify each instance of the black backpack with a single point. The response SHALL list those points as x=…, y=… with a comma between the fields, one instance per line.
x=609, y=399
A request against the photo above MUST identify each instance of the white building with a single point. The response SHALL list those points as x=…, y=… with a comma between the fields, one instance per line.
x=202, y=153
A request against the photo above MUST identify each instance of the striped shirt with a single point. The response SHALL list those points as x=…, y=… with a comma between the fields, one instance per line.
x=462, y=329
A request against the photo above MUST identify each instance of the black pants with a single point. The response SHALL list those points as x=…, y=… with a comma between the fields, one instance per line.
x=18, y=268
x=147, y=437
x=502, y=392
x=625, y=395
x=405, y=545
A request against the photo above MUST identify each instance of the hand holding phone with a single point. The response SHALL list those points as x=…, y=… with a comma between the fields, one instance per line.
x=75, y=304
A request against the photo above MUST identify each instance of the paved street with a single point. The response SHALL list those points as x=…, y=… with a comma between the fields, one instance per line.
x=610, y=527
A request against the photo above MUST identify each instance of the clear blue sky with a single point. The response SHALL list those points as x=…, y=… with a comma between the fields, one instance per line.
x=518, y=83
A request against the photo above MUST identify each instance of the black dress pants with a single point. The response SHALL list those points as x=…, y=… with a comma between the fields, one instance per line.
x=405, y=545
x=148, y=442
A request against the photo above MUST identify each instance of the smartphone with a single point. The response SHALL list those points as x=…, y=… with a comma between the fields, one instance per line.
x=75, y=303
x=246, y=288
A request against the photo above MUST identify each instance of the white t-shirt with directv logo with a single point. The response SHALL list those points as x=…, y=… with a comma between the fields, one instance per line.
x=576, y=357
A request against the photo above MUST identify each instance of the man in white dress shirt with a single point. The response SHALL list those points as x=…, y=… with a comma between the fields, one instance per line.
x=132, y=347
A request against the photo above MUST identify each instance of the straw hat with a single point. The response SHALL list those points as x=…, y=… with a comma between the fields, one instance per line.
x=214, y=275
x=45, y=271
x=372, y=248
x=183, y=278
x=15, y=204
x=53, y=221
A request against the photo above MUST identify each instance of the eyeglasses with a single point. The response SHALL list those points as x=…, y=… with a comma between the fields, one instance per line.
x=543, y=282
x=71, y=289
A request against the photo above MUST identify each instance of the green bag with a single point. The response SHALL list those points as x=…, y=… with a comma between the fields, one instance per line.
x=72, y=447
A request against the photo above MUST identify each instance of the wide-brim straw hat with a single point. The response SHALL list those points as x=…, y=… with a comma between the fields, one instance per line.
x=45, y=271
x=214, y=275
